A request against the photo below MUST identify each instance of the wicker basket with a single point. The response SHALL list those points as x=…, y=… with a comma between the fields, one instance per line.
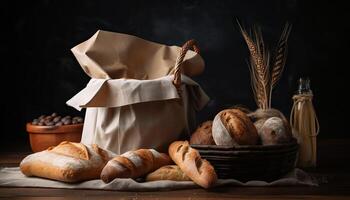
x=253, y=162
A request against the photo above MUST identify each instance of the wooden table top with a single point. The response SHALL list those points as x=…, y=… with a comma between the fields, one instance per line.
x=332, y=172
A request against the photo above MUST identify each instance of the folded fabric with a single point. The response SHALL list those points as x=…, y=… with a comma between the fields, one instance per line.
x=12, y=177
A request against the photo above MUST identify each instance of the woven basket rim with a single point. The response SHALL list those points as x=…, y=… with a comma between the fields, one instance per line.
x=251, y=162
x=260, y=147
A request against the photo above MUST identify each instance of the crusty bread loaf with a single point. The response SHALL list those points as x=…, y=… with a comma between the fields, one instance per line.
x=191, y=163
x=259, y=117
x=67, y=162
x=233, y=127
x=273, y=131
x=134, y=164
x=168, y=172
x=203, y=134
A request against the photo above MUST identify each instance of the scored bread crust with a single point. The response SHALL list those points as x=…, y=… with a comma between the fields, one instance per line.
x=134, y=164
x=75, y=150
x=168, y=172
x=67, y=162
x=203, y=134
x=191, y=163
x=240, y=127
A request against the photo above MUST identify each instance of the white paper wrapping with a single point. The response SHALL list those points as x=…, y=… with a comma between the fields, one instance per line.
x=128, y=114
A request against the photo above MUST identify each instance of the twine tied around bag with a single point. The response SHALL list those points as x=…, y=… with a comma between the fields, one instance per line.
x=304, y=121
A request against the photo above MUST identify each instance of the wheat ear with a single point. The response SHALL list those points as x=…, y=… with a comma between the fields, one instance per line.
x=259, y=67
x=280, y=56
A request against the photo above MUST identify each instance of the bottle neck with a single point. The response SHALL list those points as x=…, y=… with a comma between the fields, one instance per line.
x=304, y=86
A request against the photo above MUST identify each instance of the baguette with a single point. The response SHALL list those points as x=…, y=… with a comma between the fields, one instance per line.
x=67, y=162
x=190, y=162
x=168, y=172
x=134, y=164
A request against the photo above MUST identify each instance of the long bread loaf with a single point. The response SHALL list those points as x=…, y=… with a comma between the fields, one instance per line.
x=191, y=163
x=67, y=162
x=134, y=164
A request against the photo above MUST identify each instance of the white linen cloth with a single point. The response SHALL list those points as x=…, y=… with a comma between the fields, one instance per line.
x=12, y=177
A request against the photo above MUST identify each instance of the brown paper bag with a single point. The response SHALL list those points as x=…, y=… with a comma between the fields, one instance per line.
x=115, y=55
x=137, y=97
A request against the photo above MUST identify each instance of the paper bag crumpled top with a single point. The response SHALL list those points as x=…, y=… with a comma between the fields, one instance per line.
x=108, y=55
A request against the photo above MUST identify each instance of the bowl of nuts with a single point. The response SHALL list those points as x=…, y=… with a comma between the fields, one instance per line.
x=50, y=130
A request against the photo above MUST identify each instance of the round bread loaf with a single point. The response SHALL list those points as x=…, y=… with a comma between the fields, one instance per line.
x=261, y=116
x=233, y=127
x=273, y=131
x=203, y=134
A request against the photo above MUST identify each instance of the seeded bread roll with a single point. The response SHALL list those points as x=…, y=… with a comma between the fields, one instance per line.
x=203, y=134
x=233, y=127
x=67, y=162
x=168, y=172
x=190, y=162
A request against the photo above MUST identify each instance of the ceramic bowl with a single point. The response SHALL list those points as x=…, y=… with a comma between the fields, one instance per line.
x=43, y=137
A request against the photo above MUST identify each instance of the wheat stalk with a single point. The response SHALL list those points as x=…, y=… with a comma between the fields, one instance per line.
x=263, y=73
x=258, y=67
x=280, y=56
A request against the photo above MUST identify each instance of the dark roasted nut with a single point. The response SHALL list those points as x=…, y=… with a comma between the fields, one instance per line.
x=56, y=119
x=48, y=118
x=59, y=124
x=66, y=118
x=50, y=124
x=67, y=122
x=80, y=120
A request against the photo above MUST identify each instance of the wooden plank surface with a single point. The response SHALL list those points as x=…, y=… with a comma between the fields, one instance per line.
x=332, y=172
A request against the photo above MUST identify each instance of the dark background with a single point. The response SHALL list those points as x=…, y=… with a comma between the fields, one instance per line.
x=39, y=73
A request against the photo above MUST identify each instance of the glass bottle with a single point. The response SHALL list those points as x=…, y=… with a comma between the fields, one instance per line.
x=305, y=125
